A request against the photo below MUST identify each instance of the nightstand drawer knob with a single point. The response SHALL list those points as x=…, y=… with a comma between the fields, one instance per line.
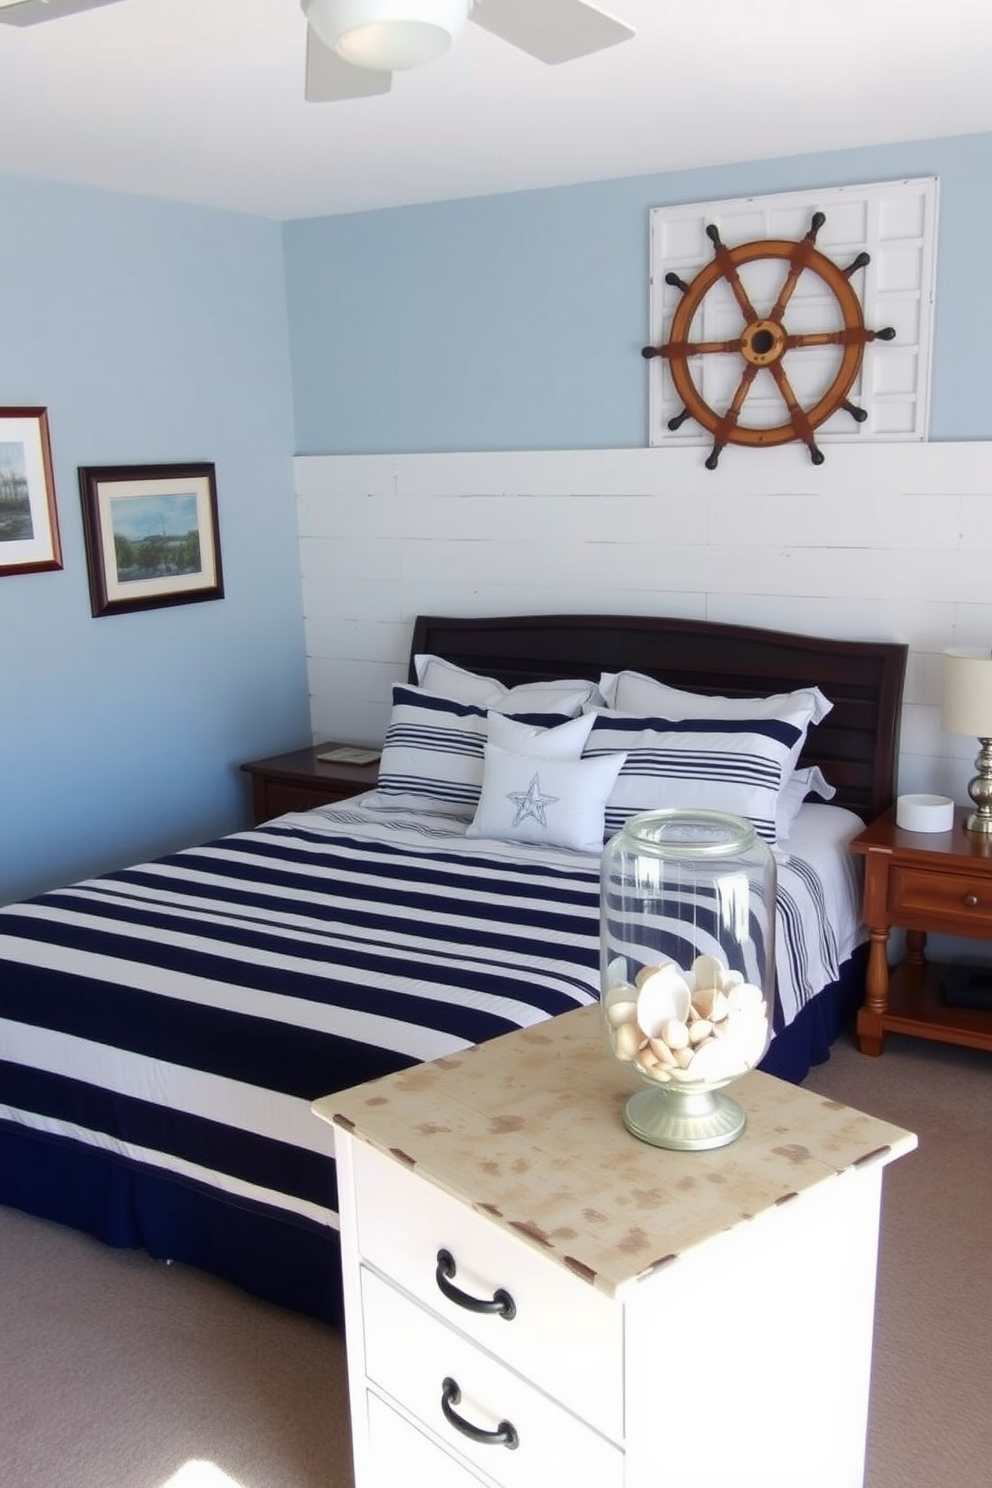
x=971, y=900
x=505, y=1434
x=501, y=1302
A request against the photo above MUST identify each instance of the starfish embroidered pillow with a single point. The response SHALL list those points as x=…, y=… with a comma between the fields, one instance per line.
x=556, y=802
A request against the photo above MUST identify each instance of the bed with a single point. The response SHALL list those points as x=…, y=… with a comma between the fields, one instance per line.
x=164, y=1029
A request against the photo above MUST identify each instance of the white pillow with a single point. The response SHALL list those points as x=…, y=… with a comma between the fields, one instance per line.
x=555, y=802
x=632, y=692
x=433, y=750
x=569, y=696
x=734, y=765
x=801, y=783
x=564, y=741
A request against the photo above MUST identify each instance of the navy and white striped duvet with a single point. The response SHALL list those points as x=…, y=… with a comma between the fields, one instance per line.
x=183, y=1014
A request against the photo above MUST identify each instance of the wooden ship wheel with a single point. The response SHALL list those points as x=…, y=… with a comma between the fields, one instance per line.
x=764, y=341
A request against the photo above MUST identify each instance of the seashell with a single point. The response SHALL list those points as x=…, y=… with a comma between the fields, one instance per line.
x=747, y=1034
x=717, y=1060
x=744, y=997
x=616, y=972
x=732, y=979
x=684, y=1057
x=675, y=1034
x=708, y=971
x=699, y=1030
x=711, y=1003
x=662, y=996
x=647, y=971
x=627, y=1040
x=621, y=1012
x=662, y=1075
x=662, y=1052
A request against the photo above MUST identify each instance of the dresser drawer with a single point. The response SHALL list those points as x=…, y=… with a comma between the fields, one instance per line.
x=565, y=1336
x=400, y=1454
x=965, y=899
x=410, y=1353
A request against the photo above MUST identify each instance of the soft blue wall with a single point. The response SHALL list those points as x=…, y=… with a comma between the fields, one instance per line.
x=151, y=332
x=516, y=322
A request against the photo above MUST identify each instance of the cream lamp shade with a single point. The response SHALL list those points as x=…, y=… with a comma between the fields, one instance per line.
x=967, y=709
x=968, y=692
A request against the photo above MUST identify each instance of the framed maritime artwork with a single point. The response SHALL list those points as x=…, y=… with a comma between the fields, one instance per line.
x=29, y=528
x=152, y=536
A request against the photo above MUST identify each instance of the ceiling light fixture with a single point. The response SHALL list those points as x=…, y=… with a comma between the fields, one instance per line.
x=387, y=35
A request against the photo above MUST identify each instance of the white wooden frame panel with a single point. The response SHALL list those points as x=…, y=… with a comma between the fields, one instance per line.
x=894, y=221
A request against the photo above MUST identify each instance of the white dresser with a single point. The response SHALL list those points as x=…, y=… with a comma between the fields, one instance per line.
x=534, y=1298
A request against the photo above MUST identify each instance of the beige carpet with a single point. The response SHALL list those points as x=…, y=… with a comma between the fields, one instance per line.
x=117, y=1372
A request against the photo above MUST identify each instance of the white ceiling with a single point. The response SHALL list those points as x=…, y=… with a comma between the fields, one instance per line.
x=202, y=100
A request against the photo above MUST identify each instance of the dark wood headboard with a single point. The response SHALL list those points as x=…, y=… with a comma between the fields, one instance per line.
x=856, y=746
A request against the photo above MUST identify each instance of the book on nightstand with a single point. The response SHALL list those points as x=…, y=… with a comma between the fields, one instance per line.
x=350, y=754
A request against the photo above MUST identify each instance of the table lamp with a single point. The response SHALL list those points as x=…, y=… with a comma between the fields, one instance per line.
x=967, y=709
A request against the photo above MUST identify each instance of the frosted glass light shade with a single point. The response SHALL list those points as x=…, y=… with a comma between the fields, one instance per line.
x=967, y=707
x=387, y=35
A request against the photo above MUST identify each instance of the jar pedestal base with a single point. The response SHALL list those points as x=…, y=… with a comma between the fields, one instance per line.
x=683, y=1120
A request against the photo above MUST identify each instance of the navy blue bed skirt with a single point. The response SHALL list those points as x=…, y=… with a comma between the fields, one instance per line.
x=293, y=1263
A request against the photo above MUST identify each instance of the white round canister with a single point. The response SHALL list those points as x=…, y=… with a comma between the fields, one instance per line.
x=924, y=813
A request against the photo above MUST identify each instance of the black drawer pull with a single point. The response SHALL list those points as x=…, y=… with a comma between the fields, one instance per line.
x=505, y=1434
x=501, y=1301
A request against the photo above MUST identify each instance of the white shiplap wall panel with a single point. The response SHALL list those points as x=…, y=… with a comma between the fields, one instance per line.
x=888, y=541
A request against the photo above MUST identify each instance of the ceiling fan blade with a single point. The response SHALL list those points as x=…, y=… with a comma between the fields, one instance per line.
x=552, y=30
x=33, y=12
x=330, y=78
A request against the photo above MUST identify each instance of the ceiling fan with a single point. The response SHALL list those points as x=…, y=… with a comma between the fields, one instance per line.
x=355, y=46
x=30, y=12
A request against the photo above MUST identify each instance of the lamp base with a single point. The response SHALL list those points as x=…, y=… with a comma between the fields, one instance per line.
x=980, y=791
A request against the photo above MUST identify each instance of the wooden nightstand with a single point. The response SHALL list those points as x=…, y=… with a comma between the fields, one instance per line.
x=921, y=881
x=298, y=780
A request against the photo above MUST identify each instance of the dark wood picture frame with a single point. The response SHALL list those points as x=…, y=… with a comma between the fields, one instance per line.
x=152, y=536
x=29, y=524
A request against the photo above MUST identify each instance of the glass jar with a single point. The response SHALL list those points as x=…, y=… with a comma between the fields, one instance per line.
x=687, y=930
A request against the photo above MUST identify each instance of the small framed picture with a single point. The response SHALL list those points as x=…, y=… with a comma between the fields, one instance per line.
x=152, y=537
x=29, y=526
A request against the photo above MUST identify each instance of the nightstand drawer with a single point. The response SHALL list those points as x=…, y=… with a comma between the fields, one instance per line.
x=280, y=798
x=300, y=780
x=565, y=1336
x=410, y=1353
x=941, y=897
